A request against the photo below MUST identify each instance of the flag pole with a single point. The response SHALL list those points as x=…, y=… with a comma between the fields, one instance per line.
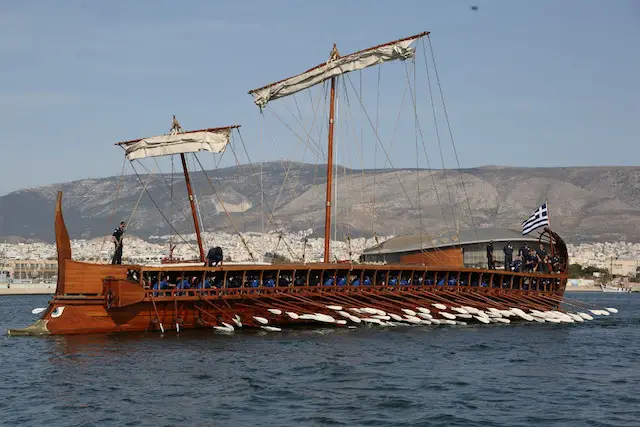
x=549, y=226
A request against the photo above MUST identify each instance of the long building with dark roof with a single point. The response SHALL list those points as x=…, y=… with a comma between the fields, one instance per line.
x=465, y=249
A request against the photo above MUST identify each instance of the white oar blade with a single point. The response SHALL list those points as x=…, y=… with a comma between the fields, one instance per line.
x=261, y=320
x=38, y=310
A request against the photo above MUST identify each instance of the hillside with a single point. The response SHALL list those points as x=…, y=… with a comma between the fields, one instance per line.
x=586, y=203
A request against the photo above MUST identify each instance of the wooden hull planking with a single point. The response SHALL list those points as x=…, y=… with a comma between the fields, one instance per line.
x=99, y=298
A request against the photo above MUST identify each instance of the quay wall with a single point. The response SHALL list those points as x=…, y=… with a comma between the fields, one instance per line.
x=27, y=288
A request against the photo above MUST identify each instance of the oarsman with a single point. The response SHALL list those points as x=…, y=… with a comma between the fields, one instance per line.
x=116, y=238
x=508, y=255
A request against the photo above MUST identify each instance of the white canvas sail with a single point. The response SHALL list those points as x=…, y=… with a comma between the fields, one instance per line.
x=400, y=49
x=213, y=140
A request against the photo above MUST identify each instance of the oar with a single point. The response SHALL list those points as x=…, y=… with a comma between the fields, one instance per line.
x=38, y=310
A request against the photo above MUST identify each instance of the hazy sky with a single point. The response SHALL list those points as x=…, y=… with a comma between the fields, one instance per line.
x=528, y=83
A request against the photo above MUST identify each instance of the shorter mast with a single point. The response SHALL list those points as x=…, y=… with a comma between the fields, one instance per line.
x=176, y=128
x=196, y=223
x=181, y=142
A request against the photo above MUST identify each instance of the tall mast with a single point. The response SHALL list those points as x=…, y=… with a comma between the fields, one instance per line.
x=196, y=223
x=336, y=66
x=327, y=214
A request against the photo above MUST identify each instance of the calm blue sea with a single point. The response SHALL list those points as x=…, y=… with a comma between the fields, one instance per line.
x=490, y=375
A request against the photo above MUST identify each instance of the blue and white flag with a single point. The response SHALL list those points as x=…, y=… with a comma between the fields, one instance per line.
x=539, y=218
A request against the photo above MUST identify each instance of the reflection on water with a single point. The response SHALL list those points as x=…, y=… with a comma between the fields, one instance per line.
x=533, y=374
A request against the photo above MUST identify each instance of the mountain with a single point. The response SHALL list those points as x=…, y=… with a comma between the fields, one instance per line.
x=585, y=203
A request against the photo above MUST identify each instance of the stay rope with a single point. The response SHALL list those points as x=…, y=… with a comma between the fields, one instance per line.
x=444, y=170
x=162, y=213
x=455, y=150
x=418, y=131
x=270, y=218
x=404, y=190
x=115, y=206
x=242, y=239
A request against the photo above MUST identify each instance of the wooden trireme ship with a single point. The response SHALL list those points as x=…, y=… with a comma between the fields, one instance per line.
x=429, y=285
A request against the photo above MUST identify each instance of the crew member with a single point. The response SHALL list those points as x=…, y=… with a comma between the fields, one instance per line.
x=214, y=256
x=508, y=255
x=491, y=264
x=116, y=238
x=542, y=259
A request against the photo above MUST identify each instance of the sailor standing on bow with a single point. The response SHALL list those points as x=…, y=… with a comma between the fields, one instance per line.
x=116, y=238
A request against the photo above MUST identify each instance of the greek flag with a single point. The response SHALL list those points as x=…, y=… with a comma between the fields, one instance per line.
x=539, y=218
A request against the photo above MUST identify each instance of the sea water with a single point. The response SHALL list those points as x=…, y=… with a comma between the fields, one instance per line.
x=532, y=374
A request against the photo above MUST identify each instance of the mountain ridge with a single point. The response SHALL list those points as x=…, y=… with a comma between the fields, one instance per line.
x=586, y=203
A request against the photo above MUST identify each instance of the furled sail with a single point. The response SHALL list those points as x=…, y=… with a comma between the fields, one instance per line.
x=213, y=140
x=400, y=49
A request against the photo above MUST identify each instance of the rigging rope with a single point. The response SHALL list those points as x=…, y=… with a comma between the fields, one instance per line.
x=275, y=114
x=135, y=207
x=115, y=204
x=270, y=217
x=172, y=207
x=307, y=145
x=404, y=190
x=444, y=170
x=375, y=160
x=196, y=191
x=226, y=211
x=424, y=147
x=185, y=216
x=362, y=178
x=415, y=131
x=384, y=150
x=160, y=211
x=455, y=151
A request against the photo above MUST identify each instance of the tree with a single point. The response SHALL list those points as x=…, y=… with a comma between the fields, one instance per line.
x=276, y=258
x=575, y=271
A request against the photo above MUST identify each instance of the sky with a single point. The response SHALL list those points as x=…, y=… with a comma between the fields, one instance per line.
x=526, y=83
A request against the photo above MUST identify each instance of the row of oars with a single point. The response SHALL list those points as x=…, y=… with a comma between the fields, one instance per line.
x=395, y=309
x=383, y=310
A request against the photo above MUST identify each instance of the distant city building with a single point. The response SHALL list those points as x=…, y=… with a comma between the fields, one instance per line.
x=12, y=269
x=625, y=267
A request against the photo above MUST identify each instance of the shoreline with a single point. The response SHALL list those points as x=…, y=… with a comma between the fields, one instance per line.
x=50, y=289
x=28, y=289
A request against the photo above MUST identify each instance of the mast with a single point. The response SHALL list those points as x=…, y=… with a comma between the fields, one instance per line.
x=327, y=214
x=196, y=223
x=179, y=141
x=336, y=66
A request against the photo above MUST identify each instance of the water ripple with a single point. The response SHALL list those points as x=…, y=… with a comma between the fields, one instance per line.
x=533, y=374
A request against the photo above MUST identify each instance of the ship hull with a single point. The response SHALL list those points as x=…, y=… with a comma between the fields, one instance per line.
x=99, y=298
x=271, y=307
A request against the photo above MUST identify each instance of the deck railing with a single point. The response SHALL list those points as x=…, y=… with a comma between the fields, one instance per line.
x=254, y=282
